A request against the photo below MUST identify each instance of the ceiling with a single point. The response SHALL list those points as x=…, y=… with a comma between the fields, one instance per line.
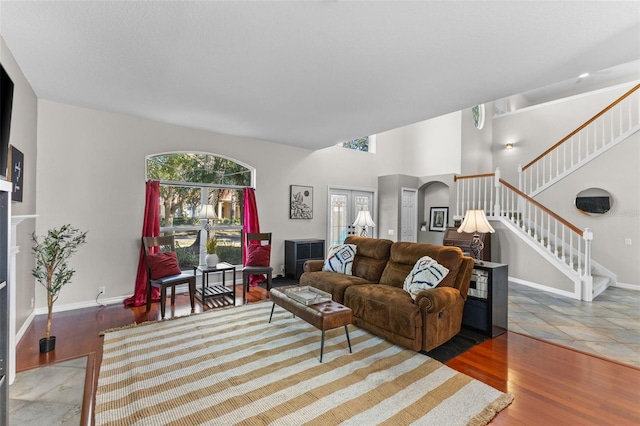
x=309, y=73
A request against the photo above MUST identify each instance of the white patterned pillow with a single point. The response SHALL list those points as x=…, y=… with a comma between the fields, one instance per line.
x=340, y=259
x=426, y=273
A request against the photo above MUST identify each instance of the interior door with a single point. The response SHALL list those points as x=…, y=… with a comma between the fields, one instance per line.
x=409, y=213
x=344, y=205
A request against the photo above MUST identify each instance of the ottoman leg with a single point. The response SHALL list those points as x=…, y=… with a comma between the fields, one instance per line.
x=272, y=308
x=346, y=331
x=322, y=346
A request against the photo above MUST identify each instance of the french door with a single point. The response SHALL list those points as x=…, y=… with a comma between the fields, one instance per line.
x=344, y=205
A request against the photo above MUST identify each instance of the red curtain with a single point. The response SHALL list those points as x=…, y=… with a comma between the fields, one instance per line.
x=251, y=225
x=150, y=228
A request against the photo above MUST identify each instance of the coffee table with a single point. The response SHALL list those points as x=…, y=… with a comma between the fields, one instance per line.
x=323, y=316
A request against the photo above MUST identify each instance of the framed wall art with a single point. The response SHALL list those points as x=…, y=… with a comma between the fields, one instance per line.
x=301, y=202
x=438, y=220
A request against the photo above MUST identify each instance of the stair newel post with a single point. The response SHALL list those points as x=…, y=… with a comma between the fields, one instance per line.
x=496, y=208
x=587, y=236
x=521, y=179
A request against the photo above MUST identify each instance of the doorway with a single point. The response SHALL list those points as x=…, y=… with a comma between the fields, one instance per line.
x=409, y=214
x=344, y=205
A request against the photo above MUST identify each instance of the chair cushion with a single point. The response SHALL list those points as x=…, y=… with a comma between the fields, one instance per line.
x=258, y=255
x=340, y=259
x=426, y=273
x=163, y=264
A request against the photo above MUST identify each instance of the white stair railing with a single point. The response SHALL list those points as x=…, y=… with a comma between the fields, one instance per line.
x=568, y=245
x=603, y=131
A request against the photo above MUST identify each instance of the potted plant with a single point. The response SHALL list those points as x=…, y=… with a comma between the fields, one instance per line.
x=212, y=258
x=52, y=270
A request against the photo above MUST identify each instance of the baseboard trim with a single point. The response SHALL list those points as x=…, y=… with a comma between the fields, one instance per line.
x=635, y=287
x=543, y=287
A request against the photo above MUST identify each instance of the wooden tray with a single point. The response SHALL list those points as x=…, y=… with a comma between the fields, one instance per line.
x=308, y=295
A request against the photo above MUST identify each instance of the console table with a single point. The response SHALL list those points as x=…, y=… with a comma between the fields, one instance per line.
x=296, y=252
x=487, y=301
x=217, y=290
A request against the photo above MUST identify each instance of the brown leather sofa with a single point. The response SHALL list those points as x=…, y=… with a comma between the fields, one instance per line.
x=380, y=305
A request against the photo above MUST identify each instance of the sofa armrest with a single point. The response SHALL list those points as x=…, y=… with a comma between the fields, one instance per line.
x=313, y=265
x=438, y=298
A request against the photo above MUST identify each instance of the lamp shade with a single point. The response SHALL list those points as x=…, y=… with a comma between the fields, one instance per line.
x=364, y=219
x=475, y=221
x=207, y=212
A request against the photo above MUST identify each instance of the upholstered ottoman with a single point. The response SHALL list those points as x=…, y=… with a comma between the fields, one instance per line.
x=323, y=316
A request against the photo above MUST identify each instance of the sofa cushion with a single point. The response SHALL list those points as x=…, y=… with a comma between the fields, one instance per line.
x=340, y=259
x=371, y=256
x=426, y=273
x=389, y=308
x=405, y=255
x=332, y=283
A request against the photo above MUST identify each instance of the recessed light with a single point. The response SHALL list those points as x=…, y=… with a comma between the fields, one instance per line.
x=583, y=75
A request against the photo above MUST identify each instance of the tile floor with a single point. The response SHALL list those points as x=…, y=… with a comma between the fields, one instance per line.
x=609, y=326
x=50, y=395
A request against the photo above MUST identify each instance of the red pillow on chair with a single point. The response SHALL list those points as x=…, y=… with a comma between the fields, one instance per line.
x=163, y=264
x=258, y=255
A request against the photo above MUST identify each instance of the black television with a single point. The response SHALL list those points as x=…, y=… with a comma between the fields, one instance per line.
x=6, y=103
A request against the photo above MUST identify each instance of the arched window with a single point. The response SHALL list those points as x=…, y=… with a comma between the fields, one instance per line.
x=190, y=180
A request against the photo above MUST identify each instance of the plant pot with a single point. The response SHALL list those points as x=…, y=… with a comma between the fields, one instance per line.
x=211, y=260
x=47, y=345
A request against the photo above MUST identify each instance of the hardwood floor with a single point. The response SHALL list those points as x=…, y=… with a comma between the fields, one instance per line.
x=552, y=385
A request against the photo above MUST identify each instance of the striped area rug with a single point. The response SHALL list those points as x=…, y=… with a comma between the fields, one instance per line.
x=230, y=366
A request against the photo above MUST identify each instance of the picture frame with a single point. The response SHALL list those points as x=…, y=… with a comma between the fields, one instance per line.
x=438, y=219
x=300, y=202
x=15, y=173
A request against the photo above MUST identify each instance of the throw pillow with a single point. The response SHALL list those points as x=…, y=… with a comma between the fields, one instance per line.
x=258, y=255
x=163, y=264
x=426, y=273
x=340, y=259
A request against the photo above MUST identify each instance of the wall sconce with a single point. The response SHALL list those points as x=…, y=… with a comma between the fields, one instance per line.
x=508, y=146
x=423, y=226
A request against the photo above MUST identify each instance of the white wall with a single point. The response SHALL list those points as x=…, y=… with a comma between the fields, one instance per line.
x=23, y=137
x=90, y=173
x=433, y=147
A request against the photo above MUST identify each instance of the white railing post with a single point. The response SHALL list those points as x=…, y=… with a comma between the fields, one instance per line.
x=587, y=279
x=587, y=236
x=496, y=208
x=520, y=179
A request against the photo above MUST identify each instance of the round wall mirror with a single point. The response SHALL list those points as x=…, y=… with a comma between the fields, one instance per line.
x=594, y=201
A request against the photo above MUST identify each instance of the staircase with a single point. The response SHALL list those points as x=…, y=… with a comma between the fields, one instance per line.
x=562, y=244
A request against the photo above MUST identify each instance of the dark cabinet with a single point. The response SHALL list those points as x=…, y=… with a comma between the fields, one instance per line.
x=463, y=240
x=486, y=307
x=296, y=252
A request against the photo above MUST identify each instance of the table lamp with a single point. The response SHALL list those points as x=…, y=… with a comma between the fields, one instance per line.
x=364, y=219
x=475, y=222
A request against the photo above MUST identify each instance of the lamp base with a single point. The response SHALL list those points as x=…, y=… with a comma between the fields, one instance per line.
x=476, y=247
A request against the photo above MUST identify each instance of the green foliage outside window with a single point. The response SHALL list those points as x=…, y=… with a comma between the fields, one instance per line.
x=361, y=144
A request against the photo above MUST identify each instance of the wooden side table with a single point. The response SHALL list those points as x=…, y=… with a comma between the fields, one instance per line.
x=217, y=290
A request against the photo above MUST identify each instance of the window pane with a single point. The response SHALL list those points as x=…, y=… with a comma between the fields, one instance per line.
x=187, y=248
x=227, y=204
x=197, y=168
x=360, y=144
x=179, y=206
